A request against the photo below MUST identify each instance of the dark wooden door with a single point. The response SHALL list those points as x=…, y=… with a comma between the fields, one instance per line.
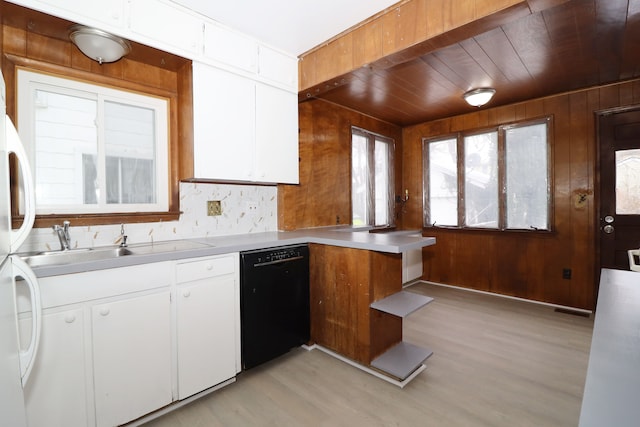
x=619, y=209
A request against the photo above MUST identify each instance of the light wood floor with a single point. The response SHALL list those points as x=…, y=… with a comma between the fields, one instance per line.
x=496, y=362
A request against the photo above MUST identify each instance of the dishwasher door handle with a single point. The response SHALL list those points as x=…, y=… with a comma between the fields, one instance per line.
x=278, y=261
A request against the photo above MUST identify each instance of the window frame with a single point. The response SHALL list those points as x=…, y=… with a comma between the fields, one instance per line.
x=29, y=81
x=177, y=89
x=502, y=179
x=371, y=138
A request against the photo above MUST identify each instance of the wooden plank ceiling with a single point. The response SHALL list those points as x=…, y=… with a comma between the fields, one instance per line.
x=578, y=44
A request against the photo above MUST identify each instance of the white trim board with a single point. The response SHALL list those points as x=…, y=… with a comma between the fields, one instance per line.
x=548, y=304
x=373, y=372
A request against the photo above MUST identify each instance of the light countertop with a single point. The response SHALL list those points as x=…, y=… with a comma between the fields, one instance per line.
x=396, y=241
x=613, y=378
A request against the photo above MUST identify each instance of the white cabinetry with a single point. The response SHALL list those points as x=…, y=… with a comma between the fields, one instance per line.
x=61, y=361
x=277, y=67
x=245, y=124
x=224, y=124
x=105, y=352
x=207, y=323
x=230, y=48
x=120, y=343
x=276, y=150
x=131, y=357
x=243, y=130
x=163, y=24
x=106, y=14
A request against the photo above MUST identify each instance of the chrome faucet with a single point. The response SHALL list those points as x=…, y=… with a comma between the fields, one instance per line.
x=123, y=237
x=63, y=235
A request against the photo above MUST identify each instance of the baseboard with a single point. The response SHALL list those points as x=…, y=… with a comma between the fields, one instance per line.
x=366, y=369
x=558, y=307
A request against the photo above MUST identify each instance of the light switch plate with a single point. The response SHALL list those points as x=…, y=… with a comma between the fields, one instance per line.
x=214, y=208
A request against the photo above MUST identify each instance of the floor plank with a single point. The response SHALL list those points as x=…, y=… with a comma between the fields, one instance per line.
x=496, y=362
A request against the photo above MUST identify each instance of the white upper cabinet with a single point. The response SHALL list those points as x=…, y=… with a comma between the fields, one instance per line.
x=224, y=124
x=230, y=48
x=109, y=12
x=163, y=24
x=276, y=154
x=243, y=130
x=278, y=67
x=245, y=94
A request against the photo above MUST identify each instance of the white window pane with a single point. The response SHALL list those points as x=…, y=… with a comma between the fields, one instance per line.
x=130, y=153
x=481, y=180
x=628, y=182
x=359, y=178
x=527, y=177
x=381, y=157
x=65, y=141
x=443, y=182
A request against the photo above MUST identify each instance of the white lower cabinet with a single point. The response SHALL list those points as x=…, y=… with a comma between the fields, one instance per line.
x=207, y=316
x=120, y=343
x=131, y=357
x=56, y=393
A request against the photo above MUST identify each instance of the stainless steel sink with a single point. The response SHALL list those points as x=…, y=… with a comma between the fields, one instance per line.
x=40, y=259
x=72, y=256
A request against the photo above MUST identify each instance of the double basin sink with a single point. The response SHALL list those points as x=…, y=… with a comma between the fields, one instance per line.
x=72, y=256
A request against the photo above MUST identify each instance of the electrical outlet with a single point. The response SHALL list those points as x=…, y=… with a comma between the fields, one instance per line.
x=566, y=273
x=214, y=208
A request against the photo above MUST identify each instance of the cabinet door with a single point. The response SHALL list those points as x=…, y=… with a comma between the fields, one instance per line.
x=110, y=12
x=206, y=313
x=276, y=135
x=230, y=48
x=131, y=357
x=167, y=25
x=56, y=392
x=224, y=124
x=279, y=68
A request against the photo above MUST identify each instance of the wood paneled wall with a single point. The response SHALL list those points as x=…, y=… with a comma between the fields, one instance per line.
x=344, y=283
x=523, y=264
x=323, y=196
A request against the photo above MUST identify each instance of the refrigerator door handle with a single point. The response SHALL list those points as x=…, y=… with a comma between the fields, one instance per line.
x=15, y=146
x=28, y=356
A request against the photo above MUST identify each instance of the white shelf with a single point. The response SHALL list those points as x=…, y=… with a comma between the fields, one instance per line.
x=401, y=360
x=401, y=304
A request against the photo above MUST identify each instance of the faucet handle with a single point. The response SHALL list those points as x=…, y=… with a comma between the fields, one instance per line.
x=123, y=236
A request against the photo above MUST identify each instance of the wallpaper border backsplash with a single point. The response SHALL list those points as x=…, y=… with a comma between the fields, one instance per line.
x=245, y=209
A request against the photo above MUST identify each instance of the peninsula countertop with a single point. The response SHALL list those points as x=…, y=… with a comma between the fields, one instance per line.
x=393, y=241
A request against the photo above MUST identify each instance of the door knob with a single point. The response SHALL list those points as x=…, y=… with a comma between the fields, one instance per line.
x=608, y=229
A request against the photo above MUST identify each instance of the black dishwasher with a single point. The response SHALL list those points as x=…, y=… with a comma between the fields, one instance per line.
x=274, y=302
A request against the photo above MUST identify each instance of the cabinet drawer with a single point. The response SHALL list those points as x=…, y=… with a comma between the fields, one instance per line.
x=203, y=268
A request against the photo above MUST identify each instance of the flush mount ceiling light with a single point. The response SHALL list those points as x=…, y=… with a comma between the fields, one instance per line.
x=479, y=97
x=99, y=45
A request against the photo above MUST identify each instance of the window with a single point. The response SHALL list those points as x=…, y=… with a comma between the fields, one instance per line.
x=628, y=182
x=372, y=186
x=495, y=179
x=93, y=149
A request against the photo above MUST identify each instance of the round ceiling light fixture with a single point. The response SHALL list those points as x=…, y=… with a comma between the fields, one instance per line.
x=479, y=97
x=99, y=45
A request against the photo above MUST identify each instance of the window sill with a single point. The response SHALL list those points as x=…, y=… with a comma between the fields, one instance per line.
x=487, y=230
x=45, y=221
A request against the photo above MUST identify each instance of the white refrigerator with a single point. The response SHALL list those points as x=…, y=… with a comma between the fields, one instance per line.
x=15, y=362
